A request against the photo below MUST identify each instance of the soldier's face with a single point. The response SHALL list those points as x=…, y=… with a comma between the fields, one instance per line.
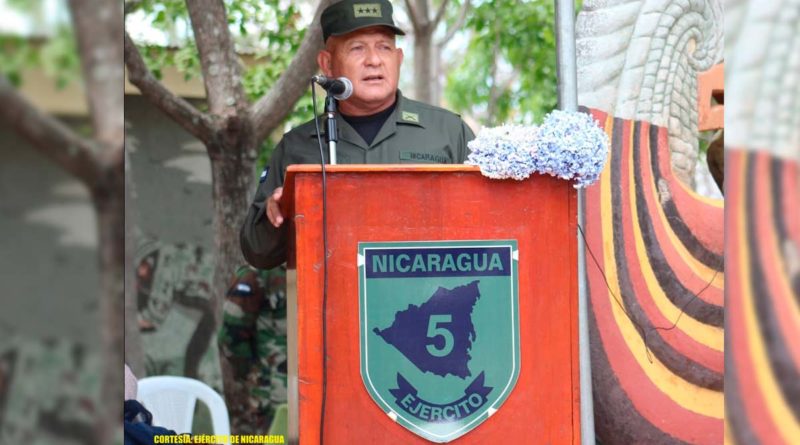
x=370, y=59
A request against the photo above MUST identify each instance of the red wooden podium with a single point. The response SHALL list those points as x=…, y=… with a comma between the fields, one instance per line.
x=384, y=203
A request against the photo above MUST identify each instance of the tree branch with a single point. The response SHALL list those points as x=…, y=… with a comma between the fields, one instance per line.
x=270, y=110
x=55, y=140
x=187, y=116
x=439, y=14
x=222, y=71
x=412, y=14
x=451, y=32
x=401, y=22
x=98, y=27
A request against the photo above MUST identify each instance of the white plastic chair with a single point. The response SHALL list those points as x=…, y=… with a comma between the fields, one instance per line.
x=172, y=400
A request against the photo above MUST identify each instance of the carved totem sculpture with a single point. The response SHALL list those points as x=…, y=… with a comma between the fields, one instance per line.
x=655, y=261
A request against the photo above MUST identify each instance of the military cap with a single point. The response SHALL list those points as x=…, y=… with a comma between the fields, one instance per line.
x=349, y=15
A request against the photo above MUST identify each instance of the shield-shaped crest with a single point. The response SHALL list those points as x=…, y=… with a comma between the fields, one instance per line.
x=439, y=331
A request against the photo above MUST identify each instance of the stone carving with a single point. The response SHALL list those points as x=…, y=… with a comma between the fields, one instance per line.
x=640, y=60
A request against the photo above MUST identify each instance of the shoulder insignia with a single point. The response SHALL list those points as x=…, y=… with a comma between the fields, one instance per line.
x=410, y=117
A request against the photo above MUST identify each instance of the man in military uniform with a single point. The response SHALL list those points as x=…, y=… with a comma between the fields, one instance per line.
x=377, y=124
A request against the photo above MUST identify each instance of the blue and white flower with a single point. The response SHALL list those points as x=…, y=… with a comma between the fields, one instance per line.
x=571, y=146
x=568, y=145
x=504, y=152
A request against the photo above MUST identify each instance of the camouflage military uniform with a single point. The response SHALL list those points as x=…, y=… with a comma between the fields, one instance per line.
x=252, y=340
x=176, y=317
x=49, y=391
x=167, y=271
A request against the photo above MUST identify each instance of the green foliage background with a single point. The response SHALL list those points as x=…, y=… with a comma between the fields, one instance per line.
x=270, y=31
x=56, y=55
x=521, y=35
x=517, y=36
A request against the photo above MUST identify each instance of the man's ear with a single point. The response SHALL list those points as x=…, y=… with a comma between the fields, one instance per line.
x=400, y=62
x=324, y=59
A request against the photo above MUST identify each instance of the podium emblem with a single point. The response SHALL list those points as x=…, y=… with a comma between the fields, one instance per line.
x=439, y=331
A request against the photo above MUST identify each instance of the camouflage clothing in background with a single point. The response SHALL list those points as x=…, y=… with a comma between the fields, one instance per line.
x=167, y=271
x=252, y=340
x=176, y=315
x=49, y=391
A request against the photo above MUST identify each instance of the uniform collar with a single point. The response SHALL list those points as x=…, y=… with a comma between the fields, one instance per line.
x=406, y=112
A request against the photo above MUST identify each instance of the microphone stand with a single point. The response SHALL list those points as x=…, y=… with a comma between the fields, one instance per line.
x=332, y=131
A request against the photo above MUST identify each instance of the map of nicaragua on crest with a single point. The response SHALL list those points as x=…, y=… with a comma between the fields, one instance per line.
x=439, y=331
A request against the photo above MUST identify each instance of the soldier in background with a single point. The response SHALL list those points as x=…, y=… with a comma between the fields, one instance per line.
x=252, y=341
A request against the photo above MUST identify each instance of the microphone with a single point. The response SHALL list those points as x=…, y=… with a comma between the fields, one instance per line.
x=340, y=88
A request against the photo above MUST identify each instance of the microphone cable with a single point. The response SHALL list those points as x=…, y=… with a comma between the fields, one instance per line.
x=324, y=269
x=636, y=324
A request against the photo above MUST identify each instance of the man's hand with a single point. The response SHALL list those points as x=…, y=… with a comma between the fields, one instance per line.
x=274, y=208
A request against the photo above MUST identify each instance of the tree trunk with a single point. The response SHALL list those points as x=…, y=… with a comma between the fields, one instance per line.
x=222, y=72
x=98, y=31
x=436, y=74
x=108, y=197
x=423, y=75
x=231, y=184
x=427, y=53
x=231, y=130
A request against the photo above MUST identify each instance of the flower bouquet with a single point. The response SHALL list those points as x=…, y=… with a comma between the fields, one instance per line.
x=569, y=145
